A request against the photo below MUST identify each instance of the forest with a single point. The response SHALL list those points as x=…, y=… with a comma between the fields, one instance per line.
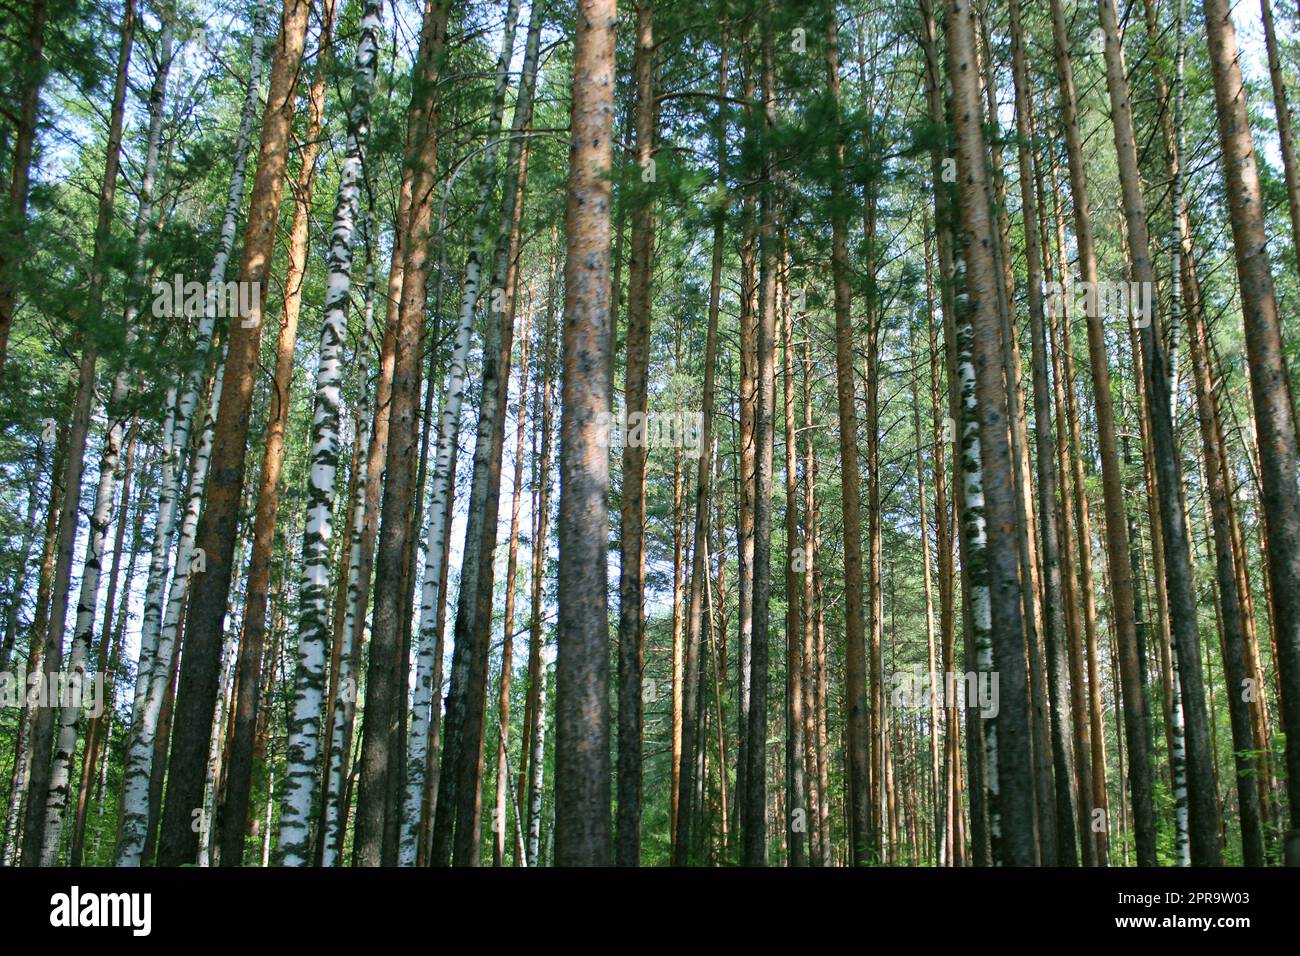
x=556, y=433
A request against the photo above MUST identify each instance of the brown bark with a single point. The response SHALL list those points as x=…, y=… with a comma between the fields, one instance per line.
x=1048, y=540
x=1268, y=374
x=796, y=788
x=383, y=685
x=42, y=718
x=33, y=78
x=200, y=670
x=632, y=516
x=1178, y=581
x=754, y=809
x=248, y=666
x=1014, y=796
x=1136, y=728
x=855, y=677
x=582, y=791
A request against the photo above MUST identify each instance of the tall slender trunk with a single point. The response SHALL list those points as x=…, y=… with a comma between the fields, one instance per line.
x=748, y=397
x=814, y=677
x=530, y=764
x=1045, y=822
x=1285, y=131
x=632, y=513
x=149, y=687
x=1054, y=610
x=200, y=667
x=33, y=78
x=36, y=643
x=433, y=592
x=1268, y=376
x=855, y=675
x=582, y=772
x=1137, y=731
x=301, y=777
x=797, y=805
x=503, y=784
x=933, y=676
x=457, y=821
x=754, y=809
x=60, y=771
x=252, y=640
x=1232, y=625
x=405, y=322
x=1178, y=579
x=335, y=784
x=43, y=772
x=106, y=663
x=1013, y=791
x=685, y=733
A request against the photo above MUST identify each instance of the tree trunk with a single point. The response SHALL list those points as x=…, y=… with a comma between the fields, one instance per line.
x=462, y=758
x=1268, y=375
x=33, y=78
x=632, y=515
x=148, y=689
x=1054, y=617
x=301, y=777
x=196, y=694
x=582, y=790
x=530, y=764
x=1178, y=572
x=60, y=772
x=855, y=676
x=503, y=784
x=1010, y=773
x=1136, y=728
x=754, y=808
x=405, y=321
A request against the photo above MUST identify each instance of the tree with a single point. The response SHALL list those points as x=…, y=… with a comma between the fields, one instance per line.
x=582, y=790
x=196, y=695
x=1274, y=417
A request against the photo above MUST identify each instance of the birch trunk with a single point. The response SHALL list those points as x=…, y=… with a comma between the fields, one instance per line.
x=60, y=771
x=298, y=792
x=144, y=722
x=432, y=595
x=215, y=539
x=405, y=320
x=345, y=697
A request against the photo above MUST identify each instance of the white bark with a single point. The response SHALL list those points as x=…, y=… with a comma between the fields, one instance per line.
x=1178, y=765
x=535, y=767
x=139, y=760
x=435, y=542
x=139, y=755
x=299, y=790
x=976, y=542
x=56, y=802
x=345, y=698
x=208, y=815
